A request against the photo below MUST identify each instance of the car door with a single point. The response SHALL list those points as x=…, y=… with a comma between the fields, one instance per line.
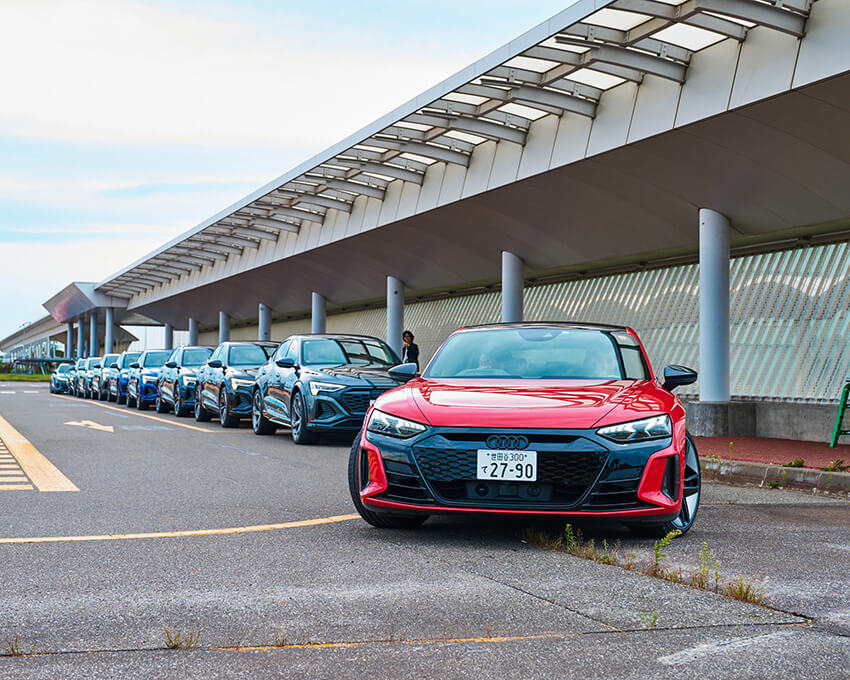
x=289, y=376
x=216, y=381
x=271, y=384
x=168, y=376
x=208, y=390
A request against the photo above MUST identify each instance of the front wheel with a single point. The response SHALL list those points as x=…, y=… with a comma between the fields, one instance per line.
x=259, y=423
x=300, y=433
x=381, y=520
x=160, y=405
x=180, y=409
x=225, y=415
x=690, y=497
x=201, y=413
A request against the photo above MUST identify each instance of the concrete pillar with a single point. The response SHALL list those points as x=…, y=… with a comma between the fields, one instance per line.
x=169, y=336
x=395, y=313
x=713, y=306
x=69, y=340
x=93, y=333
x=108, y=339
x=264, y=322
x=81, y=337
x=319, y=315
x=511, y=287
x=223, y=327
x=193, y=331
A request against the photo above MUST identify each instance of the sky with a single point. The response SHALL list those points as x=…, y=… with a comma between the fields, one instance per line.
x=126, y=122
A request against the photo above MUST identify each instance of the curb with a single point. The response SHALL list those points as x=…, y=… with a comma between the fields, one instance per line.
x=762, y=474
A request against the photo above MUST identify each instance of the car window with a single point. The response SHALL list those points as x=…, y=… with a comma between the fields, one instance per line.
x=369, y=352
x=129, y=358
x=217, y=353
x=283, y=349
x=528, y=353
x=155, y=359
x=248, y=355
x=633, y=363
x=322, y=351
x=292, y=352
x=64, y=368
x=196, y=356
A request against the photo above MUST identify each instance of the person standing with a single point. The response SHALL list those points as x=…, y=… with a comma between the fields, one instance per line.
x=410, y=350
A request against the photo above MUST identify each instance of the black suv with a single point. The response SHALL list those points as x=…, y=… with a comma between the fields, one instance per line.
x=176, y=386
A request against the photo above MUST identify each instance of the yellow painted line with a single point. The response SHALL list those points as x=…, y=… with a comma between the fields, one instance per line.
x=169, y=421
x=421, y=641
x=44, y=474
x=184, y=534
x=15, y=487
x=13, y=478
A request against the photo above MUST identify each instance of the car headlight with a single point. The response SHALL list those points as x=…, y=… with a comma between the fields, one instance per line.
x=316, y=387
x=236, y=383
x=393, y=426
x=657, y=427
x=148, y=379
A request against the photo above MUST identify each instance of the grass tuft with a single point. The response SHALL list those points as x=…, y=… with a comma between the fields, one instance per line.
x=649, y=620
x=835, y=466
x=176, y=639
x=797, y=462
x=743, y=591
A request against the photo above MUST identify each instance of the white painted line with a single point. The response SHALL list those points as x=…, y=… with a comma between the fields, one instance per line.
x=687, y=656
x=7, y=391
x=32, y=391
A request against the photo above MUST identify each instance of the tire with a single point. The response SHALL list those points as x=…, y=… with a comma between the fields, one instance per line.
x=381, y=520
x=259, y=423
x=140, y=403
x=120, y=399
x=180, y=410
x=101, y=395
x=690, y=498
x=160, y=405
x=226, y=418
x=201, y=413
x=300, y=433
x=131, y=402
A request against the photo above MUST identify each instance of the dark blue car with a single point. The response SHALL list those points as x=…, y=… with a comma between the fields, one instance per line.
x=143, y=376
x=119, y=375
x=176, y=386
x=321, y=383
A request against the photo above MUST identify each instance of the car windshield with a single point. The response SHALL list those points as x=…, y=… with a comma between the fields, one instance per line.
x=129, y=358
x=93, y=362
x=530, y=352
x=155, y=359
x=64, y=368
x=109, y=359
x=196, y=357
x=368, y=351
x=248, y=355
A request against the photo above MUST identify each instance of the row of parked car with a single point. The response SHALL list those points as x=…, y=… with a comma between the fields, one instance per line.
x=308, y=383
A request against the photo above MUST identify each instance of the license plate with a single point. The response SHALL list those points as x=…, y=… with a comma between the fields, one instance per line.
x=517, y=466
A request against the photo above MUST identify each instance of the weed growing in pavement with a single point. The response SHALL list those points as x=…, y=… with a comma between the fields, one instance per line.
x=743, y=590
x=773, y=484
x=13, y=648
x=835, y=466
x=280, y=639
x=705, y=577
x=730, y=451
x=797, y=462
x=177, y=640
x=649, y=620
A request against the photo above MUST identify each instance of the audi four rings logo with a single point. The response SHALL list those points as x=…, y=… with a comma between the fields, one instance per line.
x=507, y=442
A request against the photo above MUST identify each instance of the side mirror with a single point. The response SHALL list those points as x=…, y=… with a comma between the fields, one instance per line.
x=215, y=363
x=135, y=364
x=114, y=364
x=676, y=376
x=286, y=362
x=171, y=364
x=403, y=372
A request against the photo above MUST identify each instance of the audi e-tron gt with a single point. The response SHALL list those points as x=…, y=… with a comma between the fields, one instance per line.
x=531, y=418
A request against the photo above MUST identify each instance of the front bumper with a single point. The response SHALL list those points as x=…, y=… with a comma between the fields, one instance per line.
x=147, y=391
x=343, y=410
x=579, y=474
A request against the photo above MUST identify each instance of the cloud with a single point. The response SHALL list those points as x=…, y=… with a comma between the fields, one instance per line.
x=122, y=72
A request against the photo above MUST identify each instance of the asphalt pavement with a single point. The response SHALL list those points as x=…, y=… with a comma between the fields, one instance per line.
x=248, y=541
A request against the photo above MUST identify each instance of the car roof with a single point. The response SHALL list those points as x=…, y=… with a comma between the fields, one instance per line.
x=545, y=324
x=337, y=336
x=262, y=343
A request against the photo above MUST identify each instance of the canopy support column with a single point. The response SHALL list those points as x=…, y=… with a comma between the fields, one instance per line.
x=108, y=339
x=223, y=327
x=264, y=323
x=511, y=287
x=318, y=314
x=168, y=343
x=395, y=313
x=713, y=306
x=193, y=331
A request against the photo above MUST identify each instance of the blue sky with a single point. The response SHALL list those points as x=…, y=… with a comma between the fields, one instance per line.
x=124, y=123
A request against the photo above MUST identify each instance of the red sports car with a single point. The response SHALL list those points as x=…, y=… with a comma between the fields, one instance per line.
x=559, y=419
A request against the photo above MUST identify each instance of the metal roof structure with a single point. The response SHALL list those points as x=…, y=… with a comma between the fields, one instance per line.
x=563, y=66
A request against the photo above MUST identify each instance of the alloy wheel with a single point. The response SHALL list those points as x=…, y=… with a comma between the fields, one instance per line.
x=691, y=490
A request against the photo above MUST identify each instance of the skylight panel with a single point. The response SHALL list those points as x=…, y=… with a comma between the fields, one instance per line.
x=615, y=18
x=416, y=157
x=690, y=37
x=531, y=64
x=465, y=136
x=522, y=110
x=465, y=98
x=603, y=81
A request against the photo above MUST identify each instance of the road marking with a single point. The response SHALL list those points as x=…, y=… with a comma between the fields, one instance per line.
x=157, y=418
x=687, y=656
x=15, y=487
x=7, y=391
x=183, y=534
x=91, y=425
x=15, y=478
x=42, y=473
x=32, y=391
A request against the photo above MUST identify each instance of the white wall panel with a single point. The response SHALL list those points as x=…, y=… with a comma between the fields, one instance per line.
x=655, y=108
x=392, y=198
x=358, y=212
x=824, y=51
x=505, y=164
x=429, y=194
x=373, y=211
x=709, y=82
x=571, y=139
x=408, y=201
x=613, y=117
x=766, y=66
x=452, y=185
x=538, y=146
x=480, y=165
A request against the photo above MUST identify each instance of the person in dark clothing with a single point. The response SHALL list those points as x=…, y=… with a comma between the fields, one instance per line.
x=410, y=350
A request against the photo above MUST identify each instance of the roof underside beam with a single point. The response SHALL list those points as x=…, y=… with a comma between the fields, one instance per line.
x=475, y=126
x=385, y=170
x=275, y=224
x=437, y=153
x=356, y=187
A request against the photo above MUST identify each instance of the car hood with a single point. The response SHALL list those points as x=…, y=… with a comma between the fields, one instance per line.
x=521, y=403
x=370, y=375
x=243, y=372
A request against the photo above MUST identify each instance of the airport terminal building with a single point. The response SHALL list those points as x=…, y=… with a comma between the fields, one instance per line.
x=680, y=166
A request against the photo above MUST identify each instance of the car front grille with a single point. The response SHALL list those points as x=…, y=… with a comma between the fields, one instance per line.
x=356, y=402
x=563, y=476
